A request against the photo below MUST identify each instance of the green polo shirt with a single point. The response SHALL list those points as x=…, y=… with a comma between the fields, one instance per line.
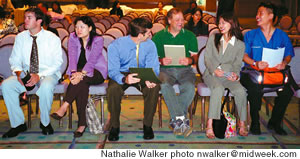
x=185, y=37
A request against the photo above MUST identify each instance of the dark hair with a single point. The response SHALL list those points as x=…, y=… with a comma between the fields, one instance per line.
x=197, y=9
x=271, y=7
x=139, y=25
x=235, y=29
x=114, y=6
x=191, y=21
x=38, y=14
x=58, y=10
x=171, y=12
x=89, y=22
x=193, y=2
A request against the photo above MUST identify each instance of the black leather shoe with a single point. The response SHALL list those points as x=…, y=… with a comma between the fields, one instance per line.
x=255, y=129
x=15, y=131
x=114, y=134
x=277, y=128
x=78, y=134
x=56, y=116
x=48, y=130
x=148, y=132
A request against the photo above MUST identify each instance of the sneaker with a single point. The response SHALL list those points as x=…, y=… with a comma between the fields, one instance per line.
x=187, y=130
x=178, y=129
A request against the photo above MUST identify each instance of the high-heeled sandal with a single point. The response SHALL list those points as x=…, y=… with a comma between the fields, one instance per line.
x=57, y=117
x=211, y=134
x=243, y=133
x=79, y=134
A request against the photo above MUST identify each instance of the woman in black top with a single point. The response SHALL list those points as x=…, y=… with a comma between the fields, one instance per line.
x=116, y=9
x=56, y=7
x=196, y=25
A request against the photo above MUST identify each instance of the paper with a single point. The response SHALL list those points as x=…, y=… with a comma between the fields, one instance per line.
x=145, y=74
x=273, y=56
x=175, y=52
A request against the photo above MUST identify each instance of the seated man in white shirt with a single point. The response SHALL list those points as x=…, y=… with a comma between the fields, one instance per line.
x=37, y=51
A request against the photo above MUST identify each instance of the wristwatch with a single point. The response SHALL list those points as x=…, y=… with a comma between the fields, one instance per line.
x=254, y=63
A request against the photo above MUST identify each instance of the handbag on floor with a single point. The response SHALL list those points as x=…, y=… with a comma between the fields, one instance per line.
x=220, y=125
x=231, y=124
x=92, y=119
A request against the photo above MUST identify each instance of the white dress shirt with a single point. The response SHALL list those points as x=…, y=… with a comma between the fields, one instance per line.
x=49, y=53
x=231, y=41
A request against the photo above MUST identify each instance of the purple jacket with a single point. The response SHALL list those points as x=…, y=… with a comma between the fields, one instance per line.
x=94, y=56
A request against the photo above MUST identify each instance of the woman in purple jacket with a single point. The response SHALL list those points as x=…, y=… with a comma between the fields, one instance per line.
x=87, y=66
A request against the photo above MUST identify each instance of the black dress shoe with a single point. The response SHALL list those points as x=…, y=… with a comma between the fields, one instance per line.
x=78, y=134
x=148, y=132
x=46, y=130
x=15, y=131
x=255, y=129
x=114, y=134
x=56, y=116
x=277, y=128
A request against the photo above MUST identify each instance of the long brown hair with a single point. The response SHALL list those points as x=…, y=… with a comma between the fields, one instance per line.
x=235, y=29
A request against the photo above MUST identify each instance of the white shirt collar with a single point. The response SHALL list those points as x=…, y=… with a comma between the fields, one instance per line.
x=231, y=41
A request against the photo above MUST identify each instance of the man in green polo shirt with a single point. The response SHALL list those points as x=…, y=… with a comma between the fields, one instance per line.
x=175, y=34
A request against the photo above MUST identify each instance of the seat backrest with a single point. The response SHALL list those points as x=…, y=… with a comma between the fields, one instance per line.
x=21, y=27
x=285, y=22
x=66, y=23
x=107, y=39
x=100, y=26
x=94, y=19
x=64, y=42
x=98, y=31
x=5, y=52
x=201, y=64
x=115, y=32
x=212, y=20
x=62, y=32
x=115, y=17
x=64, y=65
x=8, y=39
x=295, y=65
x=56, y=24
x=106, y=23
x=157, y=27
x=201, y=41
x=121, y=26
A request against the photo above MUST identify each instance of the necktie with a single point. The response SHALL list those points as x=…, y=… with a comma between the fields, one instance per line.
x=34, y=59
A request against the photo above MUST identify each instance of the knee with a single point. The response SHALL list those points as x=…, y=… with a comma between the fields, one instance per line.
x=114, y=88
x=8, y=83
x=240, y=91
x=217, y=89
x=47, y=87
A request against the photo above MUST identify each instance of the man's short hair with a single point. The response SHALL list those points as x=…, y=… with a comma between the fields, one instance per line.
x=271, y=7
x=171, y=12
x=139, y=25
x=38, y=14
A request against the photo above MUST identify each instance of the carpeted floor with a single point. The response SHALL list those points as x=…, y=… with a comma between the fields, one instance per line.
x=131, y=136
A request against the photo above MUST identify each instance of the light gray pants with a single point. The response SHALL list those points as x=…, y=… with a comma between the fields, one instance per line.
x=217, y=87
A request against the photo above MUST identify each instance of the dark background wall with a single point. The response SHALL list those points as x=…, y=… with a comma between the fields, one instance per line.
x=243, y=8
